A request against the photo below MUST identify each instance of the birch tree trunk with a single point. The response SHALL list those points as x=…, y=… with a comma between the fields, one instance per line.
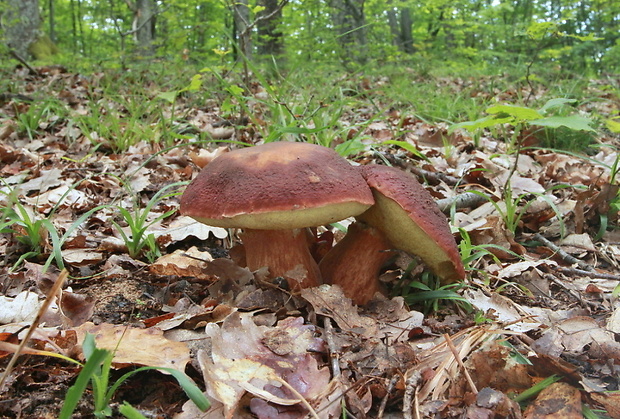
x=20, y=22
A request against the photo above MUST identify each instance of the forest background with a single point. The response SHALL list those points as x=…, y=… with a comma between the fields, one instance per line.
x=573, y=36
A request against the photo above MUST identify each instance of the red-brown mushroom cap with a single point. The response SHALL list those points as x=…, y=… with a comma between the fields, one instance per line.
x=411, y=220
x=280, y=185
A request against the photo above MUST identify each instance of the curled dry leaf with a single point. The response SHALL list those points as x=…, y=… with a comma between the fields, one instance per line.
x=81, y=257
x=21, y=308
x=274, y=364
x=330, y=301
x=190, y=262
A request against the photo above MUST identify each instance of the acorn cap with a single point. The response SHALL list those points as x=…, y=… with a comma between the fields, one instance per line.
x=411, y=220
x=280, y=185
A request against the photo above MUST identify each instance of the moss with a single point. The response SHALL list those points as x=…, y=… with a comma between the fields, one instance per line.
x=43, y=48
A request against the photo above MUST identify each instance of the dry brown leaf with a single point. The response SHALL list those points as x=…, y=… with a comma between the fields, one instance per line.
x=330, y=301
x=558, y=401
x=76, y=309
x=267, y=362
x=610, y=401
x=190, y=262
x=133, y=346
x=81, y=257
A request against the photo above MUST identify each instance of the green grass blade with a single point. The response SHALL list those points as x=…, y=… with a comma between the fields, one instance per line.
x=74, y=394
x=534, y=390
x=130, y=412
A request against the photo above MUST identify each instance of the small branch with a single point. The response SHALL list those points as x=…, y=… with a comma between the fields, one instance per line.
x=471, y=383
x=464, y=200
x=35, y=323
x=22, y=60
x=589, y=274
x=574, y=294
x=331, y=346
x=565, y=256
x=388, y=392
x=426, y=174
x=411, y=395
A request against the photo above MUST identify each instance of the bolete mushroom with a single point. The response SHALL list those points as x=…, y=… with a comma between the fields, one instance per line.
x=274, y=191
x=404, y=217
x=355, y=262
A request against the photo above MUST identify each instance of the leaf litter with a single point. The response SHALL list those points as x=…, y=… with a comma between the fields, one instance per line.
x=259, y=351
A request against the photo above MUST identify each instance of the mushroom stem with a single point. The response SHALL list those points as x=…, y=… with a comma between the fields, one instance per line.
x=285, y=253
x=355, y=262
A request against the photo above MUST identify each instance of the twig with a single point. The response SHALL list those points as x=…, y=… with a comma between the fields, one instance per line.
x=411, y=388
x=22, y=60
x=35, y=323
x=589, y=274
x=464, y=200
x=426, y=174
x=331, y=346
x=574, y=294
x=388, y=391
x=565, y=256
x=471, y=383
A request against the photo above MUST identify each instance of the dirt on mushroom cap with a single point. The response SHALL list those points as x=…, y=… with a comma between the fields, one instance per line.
x=277, y=186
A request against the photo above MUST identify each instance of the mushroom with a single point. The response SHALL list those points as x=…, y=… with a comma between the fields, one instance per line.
x=355, y=262
x=274, y=191
x=404, y=217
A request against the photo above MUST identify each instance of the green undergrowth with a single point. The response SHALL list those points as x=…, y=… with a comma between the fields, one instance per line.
x=323, y=104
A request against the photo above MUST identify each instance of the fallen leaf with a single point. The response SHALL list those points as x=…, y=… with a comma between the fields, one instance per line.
x=133, y=346
x=273, y=363
x=559, y=400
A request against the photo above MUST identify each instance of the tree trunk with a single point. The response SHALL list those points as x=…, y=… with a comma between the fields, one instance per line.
x=406, y=23
x=241, y=13
x=350, y=21
x=271, y=41
x=21, y=21
x=400, y=27
x=52, y=22
x=144, y=25
x=394, y=27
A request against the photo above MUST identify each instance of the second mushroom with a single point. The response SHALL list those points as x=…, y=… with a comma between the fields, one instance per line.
x=404, y=217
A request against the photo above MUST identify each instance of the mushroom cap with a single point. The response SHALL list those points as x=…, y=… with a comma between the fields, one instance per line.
x=411, y=220
x=280, y=185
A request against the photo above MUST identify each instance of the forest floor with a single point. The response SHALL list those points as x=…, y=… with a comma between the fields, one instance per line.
x=532, y=329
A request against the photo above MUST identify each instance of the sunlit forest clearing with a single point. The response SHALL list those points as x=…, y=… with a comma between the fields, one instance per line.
x=325, y=209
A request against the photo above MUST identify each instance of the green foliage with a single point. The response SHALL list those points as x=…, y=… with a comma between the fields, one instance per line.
x=521, y=117
x=35, y=232
x=512, y=208
x=429, y=292
x=537, y=388
x=43, y=48
x=27, y=228
x=96, y=371
x=117, y=122
x=139, y=221
x=471, y=253
x=49, y=112
x=191, y=33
